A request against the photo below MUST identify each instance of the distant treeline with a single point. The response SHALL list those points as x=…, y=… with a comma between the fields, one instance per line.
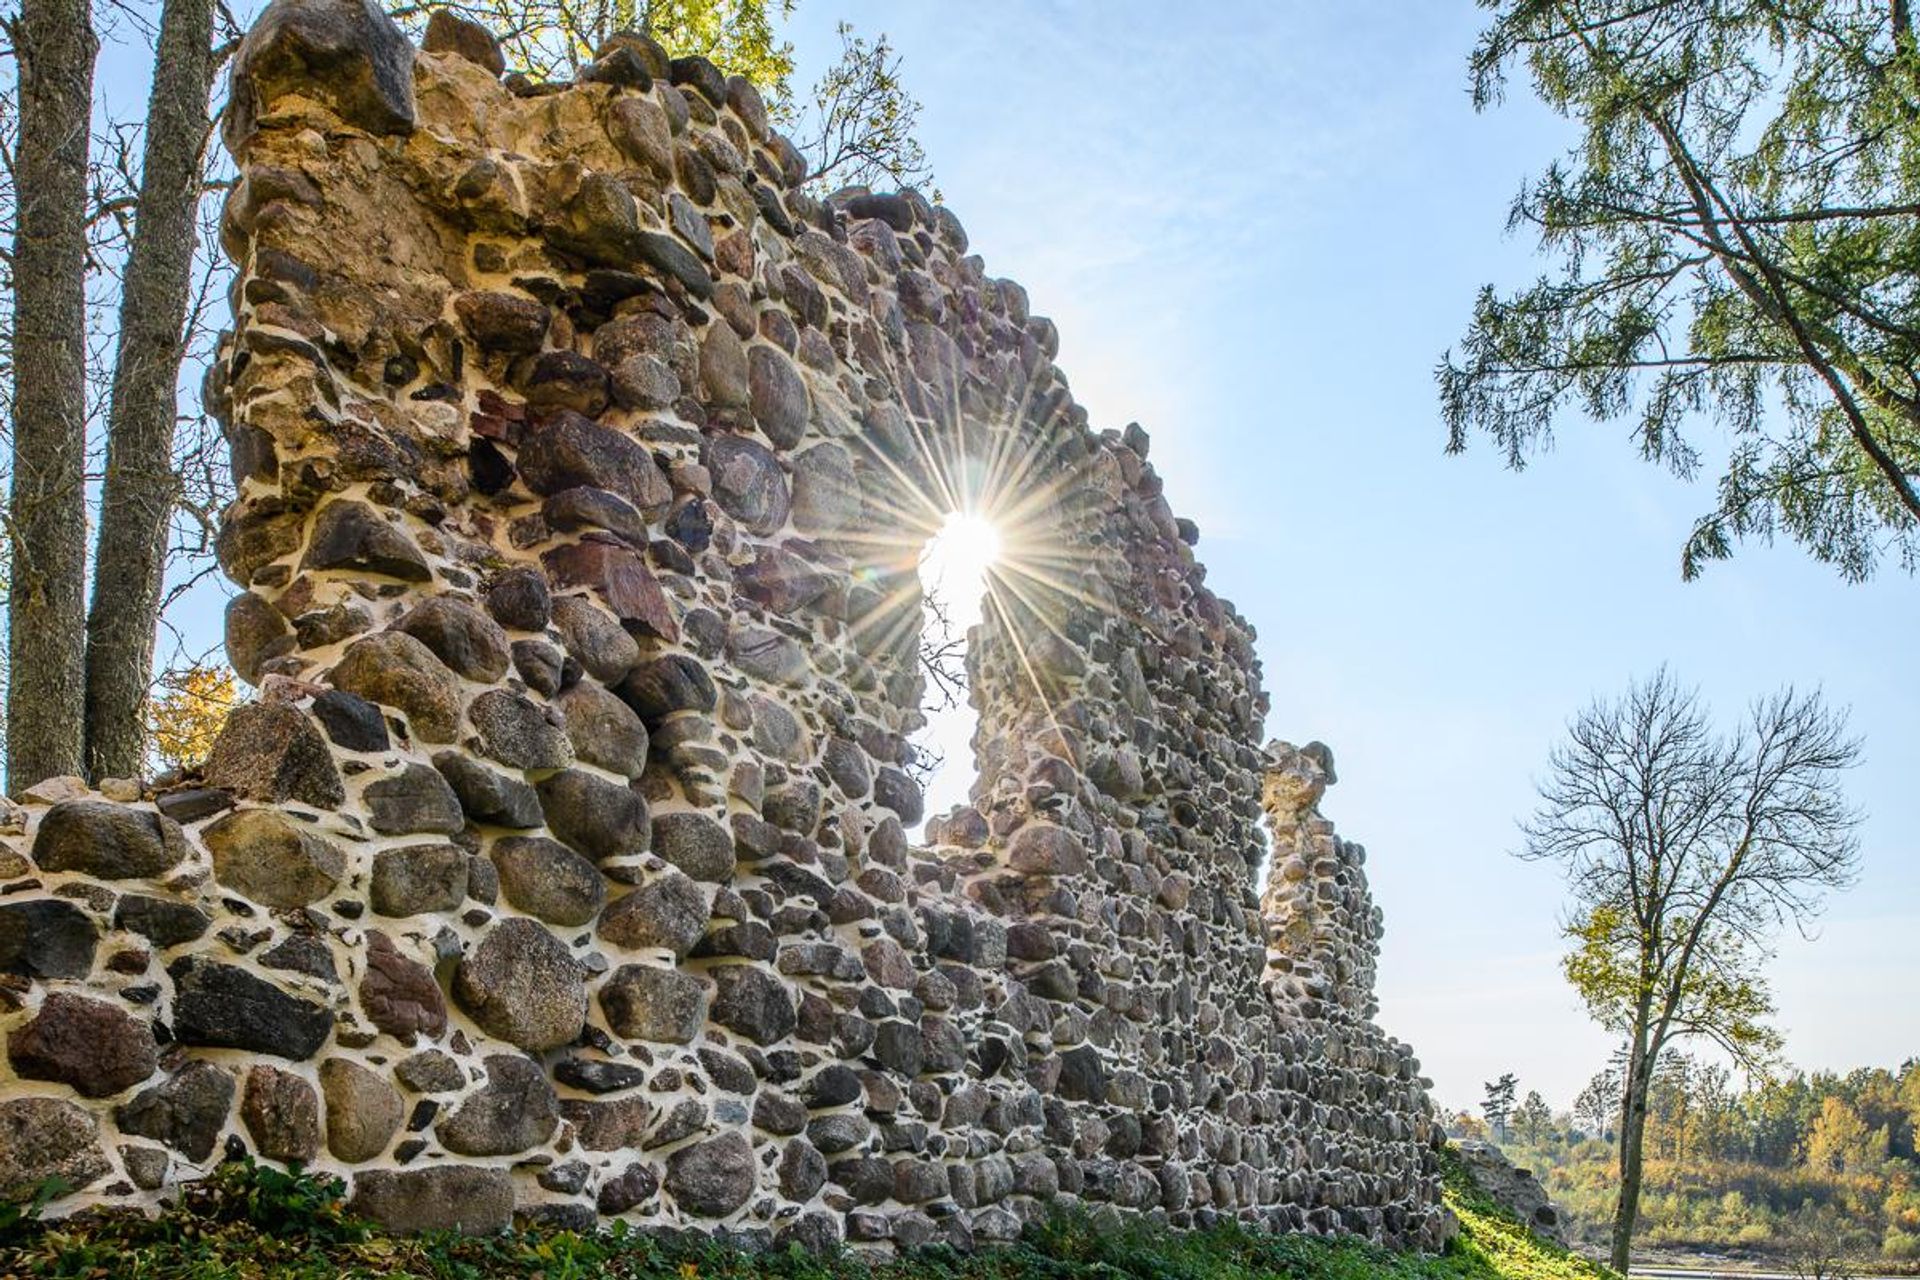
x=1760, y=1167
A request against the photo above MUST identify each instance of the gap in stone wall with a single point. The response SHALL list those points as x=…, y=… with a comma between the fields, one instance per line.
x=954, y=567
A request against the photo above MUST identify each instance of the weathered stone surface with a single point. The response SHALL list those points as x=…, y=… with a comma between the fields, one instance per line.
x=566, y=380
x=768, y=655
x=620, y=578
x=826, y=493
x=523, y=985
x=353, y=723
x=395, y=669
x=186, y=1111
x=569, y=450
x=399, y=995
x=644, y=382
x=469, y=642
x=107, y=841
x=271, y=752
x=644, y=1002
x=544, y=878
x=501, y=321
x=517, y=732
x=669, y=912
x=223, y=1007
x=518, y=598
x=748, y=483
x=96, y=1047
x=584, y=510
x=282, y=1114
x=803, y=1170
x=594, y=638
x=487, y=795
x=42, y=1138
x=658, y=687
x=352, y=537
x=780, y=401
x=448, y=32
x=347, y=53
x=712, y=1178
x=752, y=1002
x=893, y=789
x=417, y=799
x=672, y=258
x=696, y=844
x=417, y=879
x=1043, y=849
x=256, y=633
x=514, y=1111
x=161, y=921
x=782, y=581
x=275, y=860
x=444, y=1197
x=363, y=1110
x=604, y=731
x=595, y=817
x=303, y=953
x=46, y=938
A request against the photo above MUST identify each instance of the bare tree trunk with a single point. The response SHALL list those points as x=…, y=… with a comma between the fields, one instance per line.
x=1633, y=1132
x=55, y=43
x=140, y=487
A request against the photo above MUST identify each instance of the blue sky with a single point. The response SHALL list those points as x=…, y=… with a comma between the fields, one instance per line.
x=1258, y=225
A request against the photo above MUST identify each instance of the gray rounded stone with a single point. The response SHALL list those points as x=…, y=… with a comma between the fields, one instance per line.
x=518, y=733
x=46, y=938
x=696, y=844
x=713, y=1178
x=604, y=731
x=186, y=1111
x=753, y=1002
x=42, y=1138
x=595, y=817
x=514, y=1111
x=779, y=395
x=107, y=841
x=669, y=912
x=645, y=1002
x=544, y=878
x=446, y=1197
x=748, y=482
x=523, y=985
x=275, y=860
x=594, y=638
x=363, y=1110
x=414, y=800
x=469, y=642
x=417, y=879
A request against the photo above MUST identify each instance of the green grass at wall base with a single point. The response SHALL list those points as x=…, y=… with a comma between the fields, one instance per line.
x=250, y=1221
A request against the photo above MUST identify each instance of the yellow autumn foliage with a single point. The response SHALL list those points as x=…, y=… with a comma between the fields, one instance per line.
x=186, y=709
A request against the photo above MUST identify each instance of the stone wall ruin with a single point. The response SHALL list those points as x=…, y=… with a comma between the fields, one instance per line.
x=560, y=870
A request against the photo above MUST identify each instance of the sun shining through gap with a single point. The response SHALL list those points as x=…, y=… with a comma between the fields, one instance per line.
x=954, y=566
x=953, y=575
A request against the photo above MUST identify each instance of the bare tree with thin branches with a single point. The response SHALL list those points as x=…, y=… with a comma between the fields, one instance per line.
x=1687, y=849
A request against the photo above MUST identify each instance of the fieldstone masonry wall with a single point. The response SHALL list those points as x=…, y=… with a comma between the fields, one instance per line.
x=560, y=869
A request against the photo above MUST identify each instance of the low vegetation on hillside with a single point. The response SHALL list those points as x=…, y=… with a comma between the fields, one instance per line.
x=250, y=1221
x=1766, y=1171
